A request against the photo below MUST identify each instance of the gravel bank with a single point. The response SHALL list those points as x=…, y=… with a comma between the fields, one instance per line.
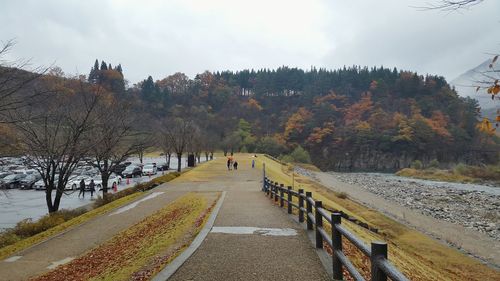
x=456, y=203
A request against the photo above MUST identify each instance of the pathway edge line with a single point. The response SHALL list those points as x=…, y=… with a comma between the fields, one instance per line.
x=172, y=267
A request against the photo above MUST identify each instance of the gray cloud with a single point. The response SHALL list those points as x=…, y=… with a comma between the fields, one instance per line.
x=159, y=38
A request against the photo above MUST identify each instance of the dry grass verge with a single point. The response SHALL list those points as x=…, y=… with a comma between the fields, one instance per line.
x=140, y=251
x=417, y=255
x=28, y=233
x=461, y=173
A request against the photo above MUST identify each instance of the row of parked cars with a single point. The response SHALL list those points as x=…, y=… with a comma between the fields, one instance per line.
x=16, y=173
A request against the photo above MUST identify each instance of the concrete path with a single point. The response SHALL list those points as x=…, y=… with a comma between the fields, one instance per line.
x=251, y=238
x=222, y=256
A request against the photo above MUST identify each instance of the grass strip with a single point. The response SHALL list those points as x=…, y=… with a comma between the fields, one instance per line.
x=30, y=241
x=140, y=251
x=102, y=205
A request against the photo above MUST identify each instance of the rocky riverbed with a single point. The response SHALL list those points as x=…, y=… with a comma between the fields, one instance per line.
x=473, y=207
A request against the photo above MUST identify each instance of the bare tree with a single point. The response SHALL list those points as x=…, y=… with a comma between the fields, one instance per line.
x=59, y=137
x=143, y=141
x=17, y=87
x=195, y=144
x=210, y=142
x=165, y=144
x=179, y=132
x=114, y=136
x=450, y=5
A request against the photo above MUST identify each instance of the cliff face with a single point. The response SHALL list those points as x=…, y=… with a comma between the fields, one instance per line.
x=379, y=161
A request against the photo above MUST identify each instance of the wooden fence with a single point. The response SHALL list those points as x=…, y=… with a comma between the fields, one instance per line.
x=381, y=268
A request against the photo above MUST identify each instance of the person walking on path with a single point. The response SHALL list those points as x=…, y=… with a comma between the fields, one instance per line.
x=82, y=189
x=235, y=165
x=253, y=163
x=92, y=188
x=229, y=164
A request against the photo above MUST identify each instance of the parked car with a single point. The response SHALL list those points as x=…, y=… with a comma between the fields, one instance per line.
x=149, y=169
x=132, y=171
x=118, y=169
x=40, y=185
x=113, y=179
x=29, y=181
x=3, y=175
x=74, y=182
x=11, y=181
x=162, y=167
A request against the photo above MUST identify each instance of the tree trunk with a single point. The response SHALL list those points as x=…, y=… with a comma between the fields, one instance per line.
x=198, y=155
x=104, y=178
x=179, y=161
x=211, y=156
x=141, y=155
x=57, y=199
x=104, y=184
x=206, y=156
x=168, y=162
x=48, y=199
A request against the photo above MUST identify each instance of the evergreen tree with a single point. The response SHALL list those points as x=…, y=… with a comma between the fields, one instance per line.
x=104, y=66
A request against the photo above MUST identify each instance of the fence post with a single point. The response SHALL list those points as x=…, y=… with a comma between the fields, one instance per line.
x=271, y=189
x=289, y=200
x=267, y=186
x=379, y=251
x=319, y=223
x=301, y=205
x=276, y=187
x=337, y=246
x=282, y=191
x=308, y=211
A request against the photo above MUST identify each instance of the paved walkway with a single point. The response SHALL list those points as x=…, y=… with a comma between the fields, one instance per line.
x=221, y=256
x=256, y=256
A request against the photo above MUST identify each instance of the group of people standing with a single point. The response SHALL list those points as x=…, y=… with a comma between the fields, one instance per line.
x=232, y=163
x=82, y=188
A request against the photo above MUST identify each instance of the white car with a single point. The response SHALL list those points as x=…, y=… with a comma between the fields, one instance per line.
x=40, y=185
x=74, y=182
x=149, y=169
x=113, y=179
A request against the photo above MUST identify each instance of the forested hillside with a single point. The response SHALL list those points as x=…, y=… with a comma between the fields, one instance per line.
x=353, y=118
x=347, y=119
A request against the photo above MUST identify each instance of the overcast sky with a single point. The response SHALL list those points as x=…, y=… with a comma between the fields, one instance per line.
x=160, y=38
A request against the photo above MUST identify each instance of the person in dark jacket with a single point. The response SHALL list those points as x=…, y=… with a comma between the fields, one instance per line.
x=82, y=189
x=92, y=188
x=235, y=165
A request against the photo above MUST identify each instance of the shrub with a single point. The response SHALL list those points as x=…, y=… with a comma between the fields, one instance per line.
x=28, y=227
x=286, y=158
x=416, y=164
x=461, y=169
x=8, y=238
x=434, y=164
x=341, y=195
x=300, y=155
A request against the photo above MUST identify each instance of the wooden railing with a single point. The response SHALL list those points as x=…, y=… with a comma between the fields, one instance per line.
x=381, y=268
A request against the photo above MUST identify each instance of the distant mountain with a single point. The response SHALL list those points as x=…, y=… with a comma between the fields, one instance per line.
x=465, y=87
